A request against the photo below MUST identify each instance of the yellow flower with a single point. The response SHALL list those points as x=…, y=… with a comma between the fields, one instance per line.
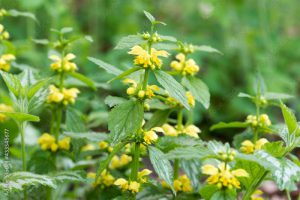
x=122, y=183
x=118, y=162
x=91, y=175
x=150, y=91
x=185, y=67
x=88, y=147
x=70, y=95
x=3, y=12
x=263, y=120
x=145, y=59
x=256, y=195
x=223, y=176
x=169, y=130
x=191, y=130
x=5, y=108
x=248, y=147
x=47, y=141
x=105, y=178
x=5, y=61
x=63, y=64
x=142, y=174
x=55, y=96
x=134, y=186
x=190, y=98
x=103, y=145
x=4, y=35
x=64, y=143
x=183, y=184
x=150, y=136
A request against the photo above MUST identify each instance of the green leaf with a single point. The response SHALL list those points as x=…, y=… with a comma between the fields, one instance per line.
x=65, y=30
x=168, y=38
x=84, y=79
x=173, y=87
x=16, y=13
x=161, y=165
x=241, y=94
x=239, y=138
x=19, y=180
x=36, y=87
x=158, y=118
x=276, y=96
x=129, y=41
x=12, y=82
x=125, y=119
x=21, y=117
x=224, y=195
x=126, y=73
x=206, y=48
x=168, y=143
x=188, y=153
x=149, y=16
x=111, y=101
x=91, y=136
x=289, y=118
x=229, y=125
x=71, y=176
x=192, y=169
x=74, y=121
x=107, y=67
x=275, y=149
x=208, y=191
x=198, y=89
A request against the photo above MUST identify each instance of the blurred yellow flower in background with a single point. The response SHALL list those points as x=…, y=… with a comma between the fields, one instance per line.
x=63, y=64
x=5, y=108
x=5, y=61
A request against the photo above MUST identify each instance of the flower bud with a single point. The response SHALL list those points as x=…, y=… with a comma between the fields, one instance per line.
x=130, y=90
x=141, y=94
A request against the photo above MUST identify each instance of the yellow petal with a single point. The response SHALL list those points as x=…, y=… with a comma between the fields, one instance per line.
x=240, y=173
x=209, y=169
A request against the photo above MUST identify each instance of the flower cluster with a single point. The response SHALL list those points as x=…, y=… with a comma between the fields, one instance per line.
x=133, y=186
x=262, y=121
x=48, y=142
x=184, y=66
x=190, y=130
x=64, y=96
x=181, y=184
x=105, y=178
x=5, y=61
x=152, y=38
x=119, y=162
x=174, y=103
x=148, y=59
x=134, y=90
x=228, y=155
x=4, y=35
x=151, y=136
x=4, y=108
x=222, y=176
x=63, y=64
x=249, y=147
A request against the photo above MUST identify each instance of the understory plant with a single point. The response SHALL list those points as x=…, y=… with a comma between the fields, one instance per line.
x=153, y=148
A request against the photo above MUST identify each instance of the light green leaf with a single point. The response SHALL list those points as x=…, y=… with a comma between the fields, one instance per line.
x=276, y=96
x=168, y=38
x=91, y=136
x=173, y=87
x=12, y=82
x=229, y=125
x=289, y=118
x=125, y=119
x=241, y=94
x=161, y=165
x=149, y=16
x=188, y=153
x=198, y=89
x=275, y=149
x=64, y=176
x=107, y=67
x=192, y=169
x=16, y=13
x=208, y=191
x=84, y=79
x=158, y=118
x=19, y=180
x=33, y=89
x=129, y=41
x=206, y=48
x=65, y=30
x=74, y=121
x=165, y=46
x=21, y=117
x=126, y=73
x=224, y=195
x=111, y=101
x=168, y=143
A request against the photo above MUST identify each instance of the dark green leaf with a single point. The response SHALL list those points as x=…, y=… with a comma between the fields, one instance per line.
x=161, y=165
x=107, y=67
x=74, y=121
x=84, y=79
x=91, y=136
x=188, y=153
x=229, y=125
x=36, y=87
x=158, y=118
x=111, y=101
x=125, y=119
x=129, y=41
x=198, y=88
x=289, y=118
x=173, y=87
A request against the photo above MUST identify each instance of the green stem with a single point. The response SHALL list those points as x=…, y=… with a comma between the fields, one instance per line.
x=179, y=119
x=22, y=131
x=52, y=121
x=59, y=117
x=136, y=161
x=288, y=194
x=146, y=77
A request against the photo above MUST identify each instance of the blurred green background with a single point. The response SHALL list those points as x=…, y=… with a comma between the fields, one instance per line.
x=254, y=35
